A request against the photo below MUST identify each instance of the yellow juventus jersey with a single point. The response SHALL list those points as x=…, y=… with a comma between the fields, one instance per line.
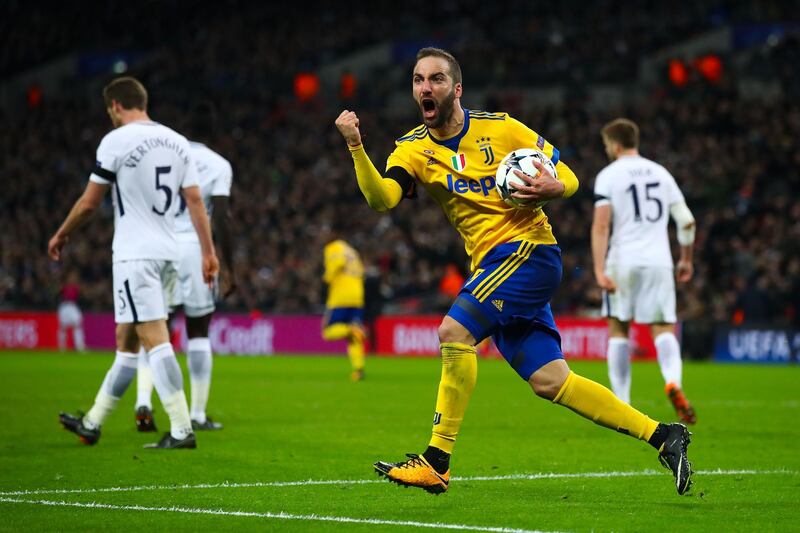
x=344, y=274
x=459, y=173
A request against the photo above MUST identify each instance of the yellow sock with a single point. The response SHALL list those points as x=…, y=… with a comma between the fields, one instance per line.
x=595, y=402
x=459, y=374
x=355, y=351
x=336, y=332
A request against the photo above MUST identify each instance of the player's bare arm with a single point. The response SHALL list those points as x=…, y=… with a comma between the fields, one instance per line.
x=221, y=219
x=197, y=211
x=601, y=228
x=381, y=194
x=83, y=209
x=684, y=270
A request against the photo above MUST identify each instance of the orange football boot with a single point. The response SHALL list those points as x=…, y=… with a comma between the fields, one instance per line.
x=681, y=404
x=416, y=472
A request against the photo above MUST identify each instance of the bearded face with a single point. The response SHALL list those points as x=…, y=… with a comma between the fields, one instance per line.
x=435, y=112
x=434, y=91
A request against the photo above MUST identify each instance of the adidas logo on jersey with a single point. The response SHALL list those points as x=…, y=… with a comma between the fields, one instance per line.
x=498, y=304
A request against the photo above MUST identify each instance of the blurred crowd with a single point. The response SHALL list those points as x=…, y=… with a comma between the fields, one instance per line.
x=735, y=160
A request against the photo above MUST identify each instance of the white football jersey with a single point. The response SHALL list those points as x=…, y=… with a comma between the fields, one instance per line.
x=147, y=163
x=214, y=175
x=640, y=193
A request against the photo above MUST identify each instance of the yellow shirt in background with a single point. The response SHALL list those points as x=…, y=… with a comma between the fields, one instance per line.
x=344, y=274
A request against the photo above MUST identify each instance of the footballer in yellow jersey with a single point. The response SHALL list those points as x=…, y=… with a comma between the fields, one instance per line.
x=459, y=173
x=516, y=264
x=344, y=314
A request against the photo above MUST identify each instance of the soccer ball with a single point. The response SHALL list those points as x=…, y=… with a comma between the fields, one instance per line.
x=521, y=159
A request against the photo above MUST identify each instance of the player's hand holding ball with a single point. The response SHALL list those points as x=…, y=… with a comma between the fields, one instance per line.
x=526, y=178
x=540, y=188
x=347, y=123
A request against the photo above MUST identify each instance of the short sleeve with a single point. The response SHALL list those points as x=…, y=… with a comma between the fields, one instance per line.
x=106, y=163
x=223, y=181
x=190, y=177
x=521, y=136
x=602, y=190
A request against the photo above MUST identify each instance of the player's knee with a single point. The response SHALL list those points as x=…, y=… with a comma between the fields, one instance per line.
x=545, y=387
x=197, y=326
x=617, y=328
x=329, y=334
x=126, y=339
x=548, y=380
x=452, y=331
x=152, y=333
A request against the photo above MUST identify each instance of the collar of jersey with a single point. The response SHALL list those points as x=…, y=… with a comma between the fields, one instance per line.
x=453, y=142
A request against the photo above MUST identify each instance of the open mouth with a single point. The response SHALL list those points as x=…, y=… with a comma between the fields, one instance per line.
x=428, y=107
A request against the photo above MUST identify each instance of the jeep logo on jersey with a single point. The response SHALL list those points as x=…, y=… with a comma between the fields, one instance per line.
x=462, y=185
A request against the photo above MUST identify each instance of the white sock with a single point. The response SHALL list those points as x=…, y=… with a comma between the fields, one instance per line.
x=669, y=358
x=168, y=381
x=62, y=339
x=144, y=381
x=198, y=353
x=178, y=412
x=117, y=379
x=619, y=368
x=77, y=336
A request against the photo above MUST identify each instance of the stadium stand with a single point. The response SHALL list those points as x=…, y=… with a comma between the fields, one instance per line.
x=735, y=158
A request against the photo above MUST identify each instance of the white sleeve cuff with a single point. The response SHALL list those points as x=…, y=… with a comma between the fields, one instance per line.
x=684, y=220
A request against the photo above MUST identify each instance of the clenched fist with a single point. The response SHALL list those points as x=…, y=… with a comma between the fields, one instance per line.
x=347, y=123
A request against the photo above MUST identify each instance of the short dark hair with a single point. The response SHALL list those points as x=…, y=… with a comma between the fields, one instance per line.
x=623, y=131
x=455, y=68
x=128, y=91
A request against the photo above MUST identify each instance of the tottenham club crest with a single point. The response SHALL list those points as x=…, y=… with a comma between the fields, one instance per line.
x=485, y=146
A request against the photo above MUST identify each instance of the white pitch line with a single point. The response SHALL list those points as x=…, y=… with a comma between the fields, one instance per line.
x=312, y=482
x=717, y=472
x=280, y=516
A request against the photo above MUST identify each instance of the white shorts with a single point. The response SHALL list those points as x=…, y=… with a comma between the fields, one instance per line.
x=644, y=294
x=191, y=291
x=69, y=315
x=139, y=289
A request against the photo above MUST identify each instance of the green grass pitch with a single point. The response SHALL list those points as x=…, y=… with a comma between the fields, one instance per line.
x=294, y=419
